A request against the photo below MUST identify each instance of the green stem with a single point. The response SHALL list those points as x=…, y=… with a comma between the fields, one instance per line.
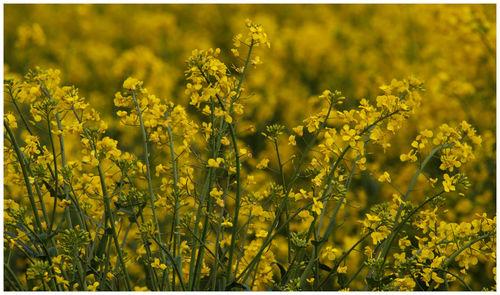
x=354, y=276
x=22, y=162
x=406, y=218
x=107, y=206
x=146, y=160
x=56, y=176
x=386, y=246
x=294, y=177
x=464, y=247
x=238, y=172
x=14, y=277
x=287, y=213
x=337, y=264
x=177, y=200
x=172, y=260
x=73, y=207
x=215, y=151
x=457, y=277
x=270, y=236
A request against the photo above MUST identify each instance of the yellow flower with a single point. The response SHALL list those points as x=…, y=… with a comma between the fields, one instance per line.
x=131, y=83
x=157, y=264
x=214, y=163
x=330, y=253
x=448, y=183
x=137, y=288
x=226, y=223
x=299, y=130
x=263, y=163
x=411, y=156
x=385, y=177
x=291, y=140
x=93, y=287
x=437, y=279
x=215, y=193
x=349, y=135
x=64, y=203
x=404, y=242
x=225, y=141
x=160, y=169
x=379, y=235
x=405, y=284
x=228, y=118
x=261, y=233
x=342, y=269
x=10, y=119
x=317, y=206
x=371, y=221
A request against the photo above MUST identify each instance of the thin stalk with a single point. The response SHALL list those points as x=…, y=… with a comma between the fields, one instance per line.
x=332, y=222
x=314, y=259
x=19, y=112
x=407, y=217
x=337, y=264
x=172, y=260
x=268, y=238
x=202, y=243
x=80, y=271
x=201, y=251
x=40, y=196
x=240, y=256
x=22, y=162
x=315, y=254
x=331, y=225
x=148, y=172
x=177, y=244
x=228, y=270
x=26, y=124
x=195, y=264
x=299, y=256
x=457, y=277
x=354, y=276
x=220, y=234
x=464, y=247
x=56, y=176
x=238, y=172
x=287, y=213
x=203, y=196
x=342, y=154
x=14, y=277
x=107, y=206
x=385, y=248
x=237, y=203
x=63, y=158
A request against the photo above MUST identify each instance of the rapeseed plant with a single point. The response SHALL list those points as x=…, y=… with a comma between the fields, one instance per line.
x=173, y=195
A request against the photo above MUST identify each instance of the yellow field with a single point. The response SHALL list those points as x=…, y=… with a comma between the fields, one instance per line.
x=249, y=147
